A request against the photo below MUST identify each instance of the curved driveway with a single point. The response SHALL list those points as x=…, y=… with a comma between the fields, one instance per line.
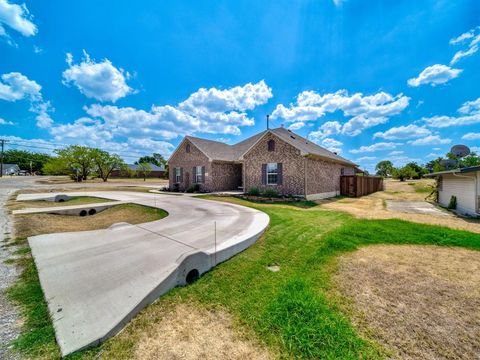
x=96, y=281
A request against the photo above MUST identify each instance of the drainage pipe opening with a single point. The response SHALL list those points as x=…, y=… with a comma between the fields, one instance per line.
x=192, y=276
x=92, y=212
x=83, y=213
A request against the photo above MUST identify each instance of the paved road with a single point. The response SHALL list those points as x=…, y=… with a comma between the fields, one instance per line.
x=96, y=281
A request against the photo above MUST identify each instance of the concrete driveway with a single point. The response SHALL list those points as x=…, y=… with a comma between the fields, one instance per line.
x=96, y=281
x=415, y=207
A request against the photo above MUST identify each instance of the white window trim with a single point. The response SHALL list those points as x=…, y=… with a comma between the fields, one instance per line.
x=178, y=175
x=198, y=176
x=272, y=173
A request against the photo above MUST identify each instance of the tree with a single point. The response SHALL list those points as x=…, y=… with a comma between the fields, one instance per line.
x=75, y=160
x=470, y=160
x=419, y=170
x=435, y=165
x=144, y=169
x=105, y=163
x=26, y=160
x=155, y=159
x=405, y=172
x=384, y=168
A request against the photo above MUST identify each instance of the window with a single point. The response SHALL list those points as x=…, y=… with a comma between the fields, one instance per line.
x=188, y=148
x=271, y=145
x=198, y=174
x=272, y=174
x=178, y=174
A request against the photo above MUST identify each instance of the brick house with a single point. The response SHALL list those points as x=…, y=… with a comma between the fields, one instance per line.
x=275, y=158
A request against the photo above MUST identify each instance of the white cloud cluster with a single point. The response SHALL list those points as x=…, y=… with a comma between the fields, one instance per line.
x=206, y=111
x=15, y=86
x=376, y=147
x=365, y=111
x=471, y=136
x=403, y=132
x=332, y=145
x=435, y=75
x=99, y=80
x=469, y=114
x=17, y=18
x=430, y=140
x=6, y=122
x=472, y=46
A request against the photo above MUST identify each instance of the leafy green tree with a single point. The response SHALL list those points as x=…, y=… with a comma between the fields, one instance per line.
x=75, y=160
x=403, y=173
x=419, y=170
x=105, y=163
x=144, y=169
x=384, y=168
x=470, y=160
x=155, y=158
x=435, y=165
x=26, y=160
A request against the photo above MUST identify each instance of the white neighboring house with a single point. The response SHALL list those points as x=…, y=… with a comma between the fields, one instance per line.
x=10, y=169
x=462, y=183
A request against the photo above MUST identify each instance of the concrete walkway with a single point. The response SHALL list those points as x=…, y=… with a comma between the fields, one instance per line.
x=415, y=207
x=96, y=281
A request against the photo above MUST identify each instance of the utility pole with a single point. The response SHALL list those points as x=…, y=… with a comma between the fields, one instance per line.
x=2, y=142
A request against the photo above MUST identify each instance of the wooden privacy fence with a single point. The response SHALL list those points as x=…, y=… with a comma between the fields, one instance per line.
x=354, y=186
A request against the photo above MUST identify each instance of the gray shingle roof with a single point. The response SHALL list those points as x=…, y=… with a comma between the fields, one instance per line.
x=219, y=151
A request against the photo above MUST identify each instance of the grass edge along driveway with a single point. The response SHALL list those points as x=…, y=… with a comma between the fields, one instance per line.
x=291, y=311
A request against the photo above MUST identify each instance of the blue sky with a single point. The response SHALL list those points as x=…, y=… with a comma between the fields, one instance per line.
x=371, y=80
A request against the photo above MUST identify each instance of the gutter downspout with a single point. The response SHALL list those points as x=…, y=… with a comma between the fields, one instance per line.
x=476, y=187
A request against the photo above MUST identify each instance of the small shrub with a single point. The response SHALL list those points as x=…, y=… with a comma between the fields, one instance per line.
x=270, y=193
x=253, y=191
x=176, y=187
x=452, y=205
x=193, y=188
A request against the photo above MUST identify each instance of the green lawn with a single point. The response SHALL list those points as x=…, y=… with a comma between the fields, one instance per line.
x=291, y=311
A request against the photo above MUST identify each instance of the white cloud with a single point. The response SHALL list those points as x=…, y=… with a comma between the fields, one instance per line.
x=403, y=132
x=472, y=46
x=366, y=158
x=396, y=153
x=338, y=2
x=434, y=155
x=470, y=111
x=435, y=75
x=471, y=136
x=206, y=111
x=461, y=38
x=17, y=18
x=98, y=80
x=296, y=125
x=332, y=145
x=376, y=147
x=6, y=122
x=475, y=149
x=430, y=140
x=326, y=129
x=16, y=86
x=366, y=111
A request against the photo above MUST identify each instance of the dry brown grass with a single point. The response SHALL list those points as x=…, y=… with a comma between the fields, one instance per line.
x=421, y=302
x=37, y=224
x=189, y=332
x=373, y=206
x=80, y=200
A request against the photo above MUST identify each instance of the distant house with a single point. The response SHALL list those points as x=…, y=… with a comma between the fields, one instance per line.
x=10, y=169
x=464, y=184
x=157, y=171
x=275, y=158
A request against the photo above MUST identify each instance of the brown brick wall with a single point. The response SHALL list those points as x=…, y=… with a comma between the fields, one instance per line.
x=292, y=163
x=187, y=161
x=324, y=176
x=226, y=176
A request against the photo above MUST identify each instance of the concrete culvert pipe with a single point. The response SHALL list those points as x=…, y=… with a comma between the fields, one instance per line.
x=192, y=276
x=83, y=213
x=92, y=212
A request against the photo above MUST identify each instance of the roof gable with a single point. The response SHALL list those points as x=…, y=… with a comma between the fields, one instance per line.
x=216, y=150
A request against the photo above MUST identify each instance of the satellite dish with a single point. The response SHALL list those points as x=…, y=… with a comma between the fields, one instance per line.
x=460, y=151
x=448, y=163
